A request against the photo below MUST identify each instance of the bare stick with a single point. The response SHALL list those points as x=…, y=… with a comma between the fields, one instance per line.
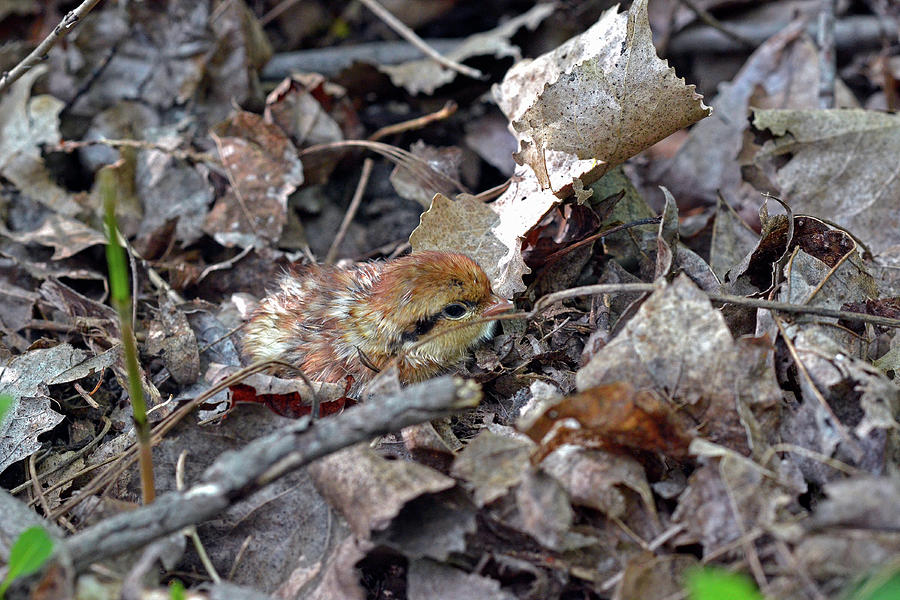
x=236, y=475
x=273, y=14
x=827, y=59
x=447, y=110
x=713, y=22
x=410, y=36
x=39, y=54
x=351, y=210
x=626, y=288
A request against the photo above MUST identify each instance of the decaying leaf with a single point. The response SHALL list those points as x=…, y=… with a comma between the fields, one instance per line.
x=25, y=124
x=171, y=337
x=427, y=75
x=371, y=491
x=66, y=235
x=263, y=170
x=614, y=417
x=491, y=464
x=781, y=73
x=831, y=173
x=25, y=379
x=679, y=347
x=599, y=98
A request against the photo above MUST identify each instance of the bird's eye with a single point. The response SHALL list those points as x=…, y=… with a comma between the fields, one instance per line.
x=455, y=310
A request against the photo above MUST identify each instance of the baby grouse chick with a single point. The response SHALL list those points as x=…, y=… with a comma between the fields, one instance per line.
x=336, y=321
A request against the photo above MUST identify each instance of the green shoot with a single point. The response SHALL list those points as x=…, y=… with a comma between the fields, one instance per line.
x=120, y=293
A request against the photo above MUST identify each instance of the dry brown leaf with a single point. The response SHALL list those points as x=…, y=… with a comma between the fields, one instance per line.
x=839, y=167
x=171, y=337
x=679, y=346
x=614, y=417
x=369, y=490
x=598, y=99
x=491, y=464
x=66, y=235
x=26, y=123
x=263, y=170
x=783, y=72
x=25, y=378
x=429, y=580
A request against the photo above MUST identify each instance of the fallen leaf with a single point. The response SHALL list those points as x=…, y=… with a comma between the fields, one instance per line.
x=25, y=378
x=835, y=167
x=679, y=347
x=263, y=170
x=370, y=491
x=27, y=123
x=66, y=235
x=427, y=75
x=430, y=580
x=597, y=99
x=491, y=464
x=614, y=417
x=783, y=72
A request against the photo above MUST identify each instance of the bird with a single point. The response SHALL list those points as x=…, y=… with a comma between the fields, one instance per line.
x=335, y=322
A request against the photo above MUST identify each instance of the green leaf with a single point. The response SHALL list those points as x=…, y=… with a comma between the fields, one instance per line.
x=884, y=585
x=176, y=590
x=6, y=402
x=32, y=549
x=718, y=584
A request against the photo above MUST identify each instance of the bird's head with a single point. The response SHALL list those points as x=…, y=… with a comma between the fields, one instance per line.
x=429, y=293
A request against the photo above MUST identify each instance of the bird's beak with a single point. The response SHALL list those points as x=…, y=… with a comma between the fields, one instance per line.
x=498, y=306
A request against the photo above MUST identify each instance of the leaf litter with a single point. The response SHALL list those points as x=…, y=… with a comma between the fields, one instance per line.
x=623, y=438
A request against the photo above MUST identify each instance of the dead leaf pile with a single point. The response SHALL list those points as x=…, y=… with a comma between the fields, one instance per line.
x=707, y=372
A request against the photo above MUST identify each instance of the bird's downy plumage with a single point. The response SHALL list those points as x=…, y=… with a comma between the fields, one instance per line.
x=332, y=322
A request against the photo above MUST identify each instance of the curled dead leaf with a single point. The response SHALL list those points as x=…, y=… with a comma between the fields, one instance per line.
x=613, y=417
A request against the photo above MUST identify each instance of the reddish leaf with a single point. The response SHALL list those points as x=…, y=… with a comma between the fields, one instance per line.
x=613, y=417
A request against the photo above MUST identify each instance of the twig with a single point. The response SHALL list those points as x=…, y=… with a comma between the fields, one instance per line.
x=855, y=32
x=71, y=459
x=127, y=458
x=36, y=484
x=329, y=62
x=192, y=530
x=236, y=475
x=631, y=288
x=351, y=210
x=713, y=22
x=39, y=54
x=852, y=445
x=275, y=12
x=186, y=155
x=410, y=36
x=418, y=123
x=827, y=58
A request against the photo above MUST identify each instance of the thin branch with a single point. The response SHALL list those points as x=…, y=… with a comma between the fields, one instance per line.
x=39, y=54
x=713, y=22
x=631, y=288
x=852, y=445
x=409, y=35
x=419, y=122
x=236, y=475
x=351, y=210
x=863, y=32
x=827, y=58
